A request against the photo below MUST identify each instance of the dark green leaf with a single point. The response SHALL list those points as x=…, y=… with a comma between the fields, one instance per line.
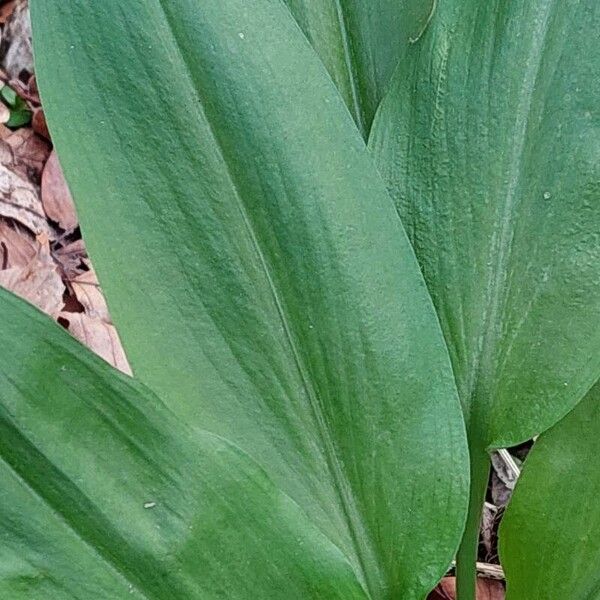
x=360, y=42
x=488, y=141
x=550, y=536
x=489, y=144
x=104, y=494
x=256, y=269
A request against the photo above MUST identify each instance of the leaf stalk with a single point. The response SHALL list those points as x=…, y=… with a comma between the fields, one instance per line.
x=466, y=559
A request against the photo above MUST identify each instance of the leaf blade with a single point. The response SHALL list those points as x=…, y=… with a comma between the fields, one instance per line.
x=281, y=319
x=359, y=44
x=548, y=538
x=498, y=202
x=162, y=506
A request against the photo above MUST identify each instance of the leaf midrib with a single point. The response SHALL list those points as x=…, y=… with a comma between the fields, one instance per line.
x=340, y=481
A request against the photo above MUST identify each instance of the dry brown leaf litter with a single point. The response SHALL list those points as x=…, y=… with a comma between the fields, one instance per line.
x=17, y=245
x=487, y=589
x=56, y=197
x=16, y=47
x=38, y=281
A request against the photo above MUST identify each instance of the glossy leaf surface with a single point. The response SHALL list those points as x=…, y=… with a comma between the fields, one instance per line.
x=550, y=537
x=253, y=262
x=105, y=494
x=489, y=143
x=360, y=42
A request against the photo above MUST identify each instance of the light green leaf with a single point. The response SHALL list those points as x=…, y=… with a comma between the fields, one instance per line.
x=359, y=42
x=550, y=536
x=488, y=141
x=104, y=494
x=256, y=268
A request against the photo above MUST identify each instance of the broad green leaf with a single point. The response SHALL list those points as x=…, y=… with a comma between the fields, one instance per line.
x=256, y=268
x=359, y=42
x=550, y=536
x=104, y=494
x=489, y=143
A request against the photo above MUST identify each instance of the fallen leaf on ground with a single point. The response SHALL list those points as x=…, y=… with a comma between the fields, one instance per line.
x=17, y=59
x=88, y=292
x=38, y=122
x=489, y=522
x=99, y=336
x=505, y=473
x=30, y=152
x=19, y=198
x=37, y=282
x=18, y=245
x=71, y=258
x=56, y=197
x=5, y=132
x=4, y=113
x=6, y=10
x=487, y=589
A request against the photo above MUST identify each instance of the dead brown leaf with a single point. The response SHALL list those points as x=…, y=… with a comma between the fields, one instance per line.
x=505, y=472
x=88, y=292
x=487, y=589
x=4, y=113
x=6, y=11
x=30, y=152
x=5, y=133
x=37, y=282
x=56, y=197
x=99, y=336
x=70, y=258
x=489, y=523
x=19, y=197
x=17, y=56
x=38, y=122
x=18, y=245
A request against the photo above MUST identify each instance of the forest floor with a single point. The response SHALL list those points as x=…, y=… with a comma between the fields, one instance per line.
x=44, y=260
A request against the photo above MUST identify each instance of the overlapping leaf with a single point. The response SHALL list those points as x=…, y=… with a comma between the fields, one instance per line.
x=105, y=494
x=256, y=269
x=550, y=534
x=488, y=142
x=360, y=42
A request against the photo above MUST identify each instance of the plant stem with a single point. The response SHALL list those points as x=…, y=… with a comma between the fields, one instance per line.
x=466, y=559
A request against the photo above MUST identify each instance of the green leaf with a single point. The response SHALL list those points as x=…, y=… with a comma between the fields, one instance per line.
x=19, y=117
x=359, y=42
x=256, y=268
x=488, y=141
x=550, y=542
x=105, y=494
x=19, y=114
x=9, y=95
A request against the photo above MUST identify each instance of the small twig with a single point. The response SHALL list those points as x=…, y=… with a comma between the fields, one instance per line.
x=510, y=463
x=4, y=256
x=488, y=571
x=97, y=285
